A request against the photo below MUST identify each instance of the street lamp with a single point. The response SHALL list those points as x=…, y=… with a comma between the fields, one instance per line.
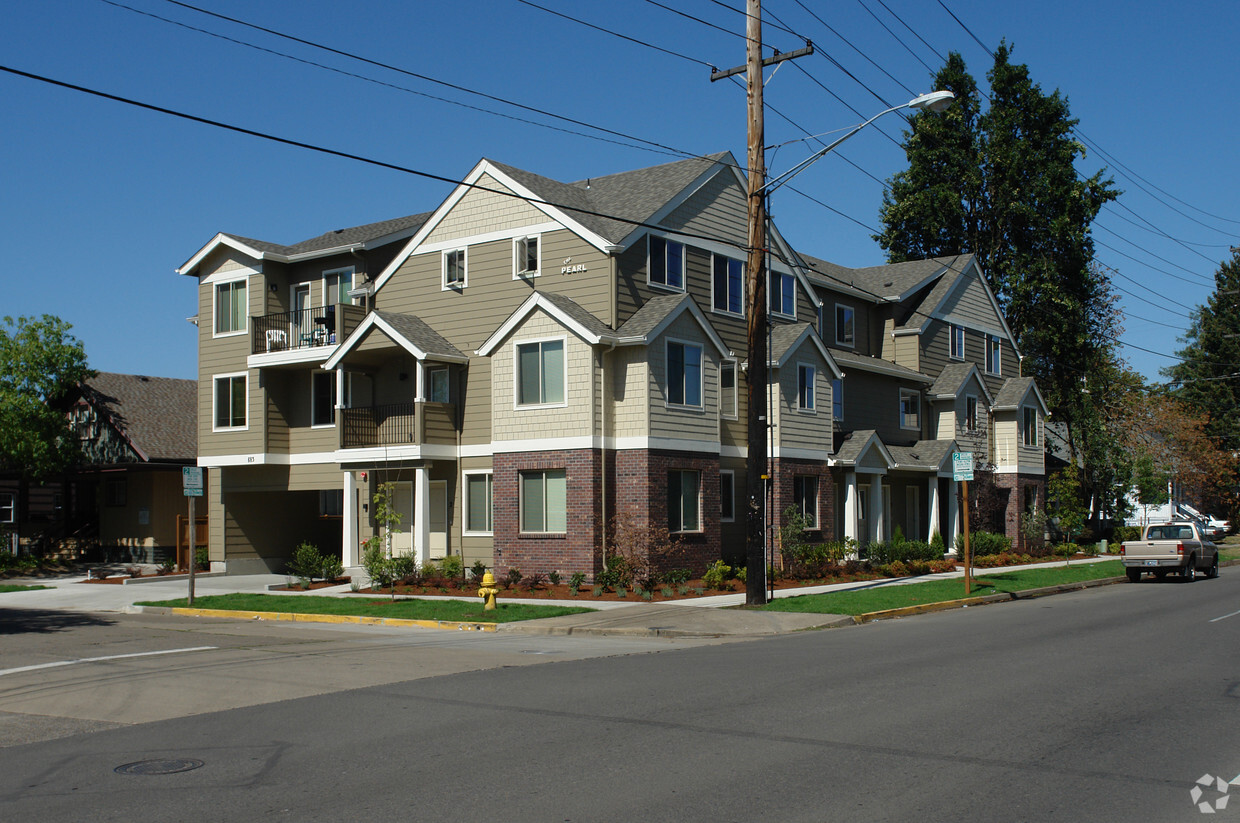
x=755, y=377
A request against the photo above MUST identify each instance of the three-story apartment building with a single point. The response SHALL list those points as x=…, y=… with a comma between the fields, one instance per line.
x=533, y=359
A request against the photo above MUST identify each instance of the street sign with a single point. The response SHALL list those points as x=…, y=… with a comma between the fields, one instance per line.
x=962, y=466
x=191, y=481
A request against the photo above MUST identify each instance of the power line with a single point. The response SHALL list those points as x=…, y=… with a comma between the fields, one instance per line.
x=896, y=36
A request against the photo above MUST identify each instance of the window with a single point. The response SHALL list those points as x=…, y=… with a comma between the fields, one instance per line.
x=667, y=263
x=684, y=374
x=993, y=364
x=540, y=373
x=805, y=497
x=336, y=286
x=845, y=328
x=781, y=294
x=727, y=389
x=729, y=285
x=837, y=399
x=115, y=493
x=230, y=300
x=323, y=398
x=478, y=496
x=970, y=413
x=909, y=403
x=1031, y=499
x=525, y=260
x=805, y=387
x=437, y=385
x=331, y=503
x=544, y=501
x=8, y=507
x=454, y=269
x=1030, y=426
x=230, y=402
x=727, y=496
x=684, y=501
x=957, y=342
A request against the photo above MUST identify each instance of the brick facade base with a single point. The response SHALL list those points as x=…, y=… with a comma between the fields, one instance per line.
x=786, y=471
x=1022, y=488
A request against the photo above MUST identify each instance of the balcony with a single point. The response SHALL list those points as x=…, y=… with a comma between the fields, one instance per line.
x=397, y=424
x=304, y=329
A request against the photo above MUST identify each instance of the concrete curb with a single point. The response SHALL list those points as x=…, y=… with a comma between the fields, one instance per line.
x=291, y=617
x=829, y=622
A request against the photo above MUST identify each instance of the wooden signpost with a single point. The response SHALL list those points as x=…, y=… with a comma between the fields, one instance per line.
x=962, y=472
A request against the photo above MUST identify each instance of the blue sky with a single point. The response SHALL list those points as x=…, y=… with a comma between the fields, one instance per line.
x=102, y=201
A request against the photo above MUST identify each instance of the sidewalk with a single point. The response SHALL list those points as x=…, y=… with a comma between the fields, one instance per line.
x=695, y=617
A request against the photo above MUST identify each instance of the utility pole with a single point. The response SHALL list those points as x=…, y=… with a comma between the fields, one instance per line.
x=757, y=431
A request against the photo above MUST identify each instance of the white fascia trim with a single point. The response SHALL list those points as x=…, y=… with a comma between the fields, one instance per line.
x=688, y=304
x=228, y=276
x=487, y=237
x=1039, y=471
x=468, y=185
x=536, y=301
x=216, y=461
x=821, y=455
x=734, y=451
x=476, y=450
x=710, y=447
x=220, y=239
x=544, y=444
x=315, y=354
x=809, y=332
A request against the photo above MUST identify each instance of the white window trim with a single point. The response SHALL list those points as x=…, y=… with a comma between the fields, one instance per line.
x=916, y=395
x=351, y=271
x=701, y=521
x=791, y=279
x=684, y=265
x=517, y=405
x=839, y=338
x=713, y=308
x=465, y=475
x=8, y=508
x=732, y=474
x=215, y=398
x=428, y=389
x=443, y=269
x=335, y=394
x=817, y=527
x=215, y=307
x=813, y=387
x=517, y=260
x=954, y=330
x=667, y=374
x=734, y=412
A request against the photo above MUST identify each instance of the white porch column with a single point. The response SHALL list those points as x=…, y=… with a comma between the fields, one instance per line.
x=876, y=507
x=932, y=490
x=850, y=506
x=954, y=528
x=348, y=525
x=421, y=525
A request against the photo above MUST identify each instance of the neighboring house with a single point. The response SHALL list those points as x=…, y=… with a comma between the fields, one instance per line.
x=123, y=501
x=533, y=359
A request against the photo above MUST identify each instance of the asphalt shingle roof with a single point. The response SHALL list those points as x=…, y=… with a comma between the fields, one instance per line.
x=574, y=310
x=844, y=359
x=417, y=332
x=653, y=312
x=1012, y=392
x=339, y=237
x=159, y=415
x=951, y=379
x=924, y=454
x=850, y=447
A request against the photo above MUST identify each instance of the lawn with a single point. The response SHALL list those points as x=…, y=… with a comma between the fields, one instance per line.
x=13, y=587
x=884, y=595
x=358, y=606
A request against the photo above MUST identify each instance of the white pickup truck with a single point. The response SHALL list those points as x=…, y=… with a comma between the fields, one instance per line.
x=1165, y=547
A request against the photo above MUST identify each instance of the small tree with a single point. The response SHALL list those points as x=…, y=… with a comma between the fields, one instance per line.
x=644, y=550
x=386, y=514
x=1064, y=491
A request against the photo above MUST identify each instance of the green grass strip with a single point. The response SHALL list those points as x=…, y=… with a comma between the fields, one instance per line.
x=888, y=596
x=372, y=606
x=13, y=587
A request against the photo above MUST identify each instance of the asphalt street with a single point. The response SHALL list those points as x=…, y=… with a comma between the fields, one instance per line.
x=1100, y=705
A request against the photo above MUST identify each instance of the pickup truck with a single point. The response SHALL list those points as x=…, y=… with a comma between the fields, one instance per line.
x=1179, y=546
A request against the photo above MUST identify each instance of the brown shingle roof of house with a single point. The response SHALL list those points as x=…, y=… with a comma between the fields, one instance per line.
x=158, y=415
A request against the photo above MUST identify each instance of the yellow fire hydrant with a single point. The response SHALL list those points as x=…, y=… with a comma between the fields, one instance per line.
x=488, y=591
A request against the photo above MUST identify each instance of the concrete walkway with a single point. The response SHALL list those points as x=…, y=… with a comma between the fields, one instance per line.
x=694, y=617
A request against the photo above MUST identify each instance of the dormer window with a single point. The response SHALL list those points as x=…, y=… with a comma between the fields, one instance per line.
x=667, y=263
x=957, y=342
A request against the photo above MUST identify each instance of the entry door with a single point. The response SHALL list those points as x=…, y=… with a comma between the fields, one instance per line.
x=402, y=503
x=438, y=519
x=301, y=312
x=912, y=513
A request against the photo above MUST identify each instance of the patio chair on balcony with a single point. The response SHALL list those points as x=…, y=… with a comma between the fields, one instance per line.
x=277, y=340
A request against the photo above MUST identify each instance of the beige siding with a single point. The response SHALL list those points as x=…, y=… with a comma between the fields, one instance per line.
x=315, y=477
x=1032, y=456
x=718, y=209
x=1005, y=452
x=480, y=212
x=675, y=421
x=569, y=420
x=630, y=392
x=863, y=323
x=906, y=353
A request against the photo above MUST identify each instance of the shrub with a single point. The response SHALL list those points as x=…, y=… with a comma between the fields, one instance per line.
x=936, y=544
x=202, y=559
x=576, y=579
x=405, y=569
x=677, y=577
x=984, y=543
x=133, y=571
x=514, y=577
x=477, y=570
x=1064, y=550
x=535, y=581
x=617, y=574
x=716, y=575
x=1122, y=533
x=332, y=567
x=168, y=566
x=377, y=567
x=554, y=577
x=741, y=574
x=645, y=549
x=307, y=562
x=452, y=566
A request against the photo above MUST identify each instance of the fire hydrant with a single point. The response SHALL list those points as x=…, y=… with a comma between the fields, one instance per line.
x=488, y=591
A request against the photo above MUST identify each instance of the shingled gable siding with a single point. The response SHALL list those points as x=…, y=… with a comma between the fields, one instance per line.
x=638, y=490
x=785, y=470
x=577, y=550
x=572, y=419
x=479, y=212
x=629, y=414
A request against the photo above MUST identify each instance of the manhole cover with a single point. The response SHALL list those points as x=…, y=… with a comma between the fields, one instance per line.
x=174, y=766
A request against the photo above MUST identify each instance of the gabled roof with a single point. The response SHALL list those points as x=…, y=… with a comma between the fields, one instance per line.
x=158, y=416
x=1013, y=393
x=864, y=362
x=953, y=378
x=854, y=446
x=657, y=313
x=367, y=236
x=566, y=311
x=924, y=455
x=409, y=332
x=787, y=338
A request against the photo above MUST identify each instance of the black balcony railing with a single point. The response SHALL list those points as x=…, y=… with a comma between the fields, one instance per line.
x=378, y=426
x=304, y=328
